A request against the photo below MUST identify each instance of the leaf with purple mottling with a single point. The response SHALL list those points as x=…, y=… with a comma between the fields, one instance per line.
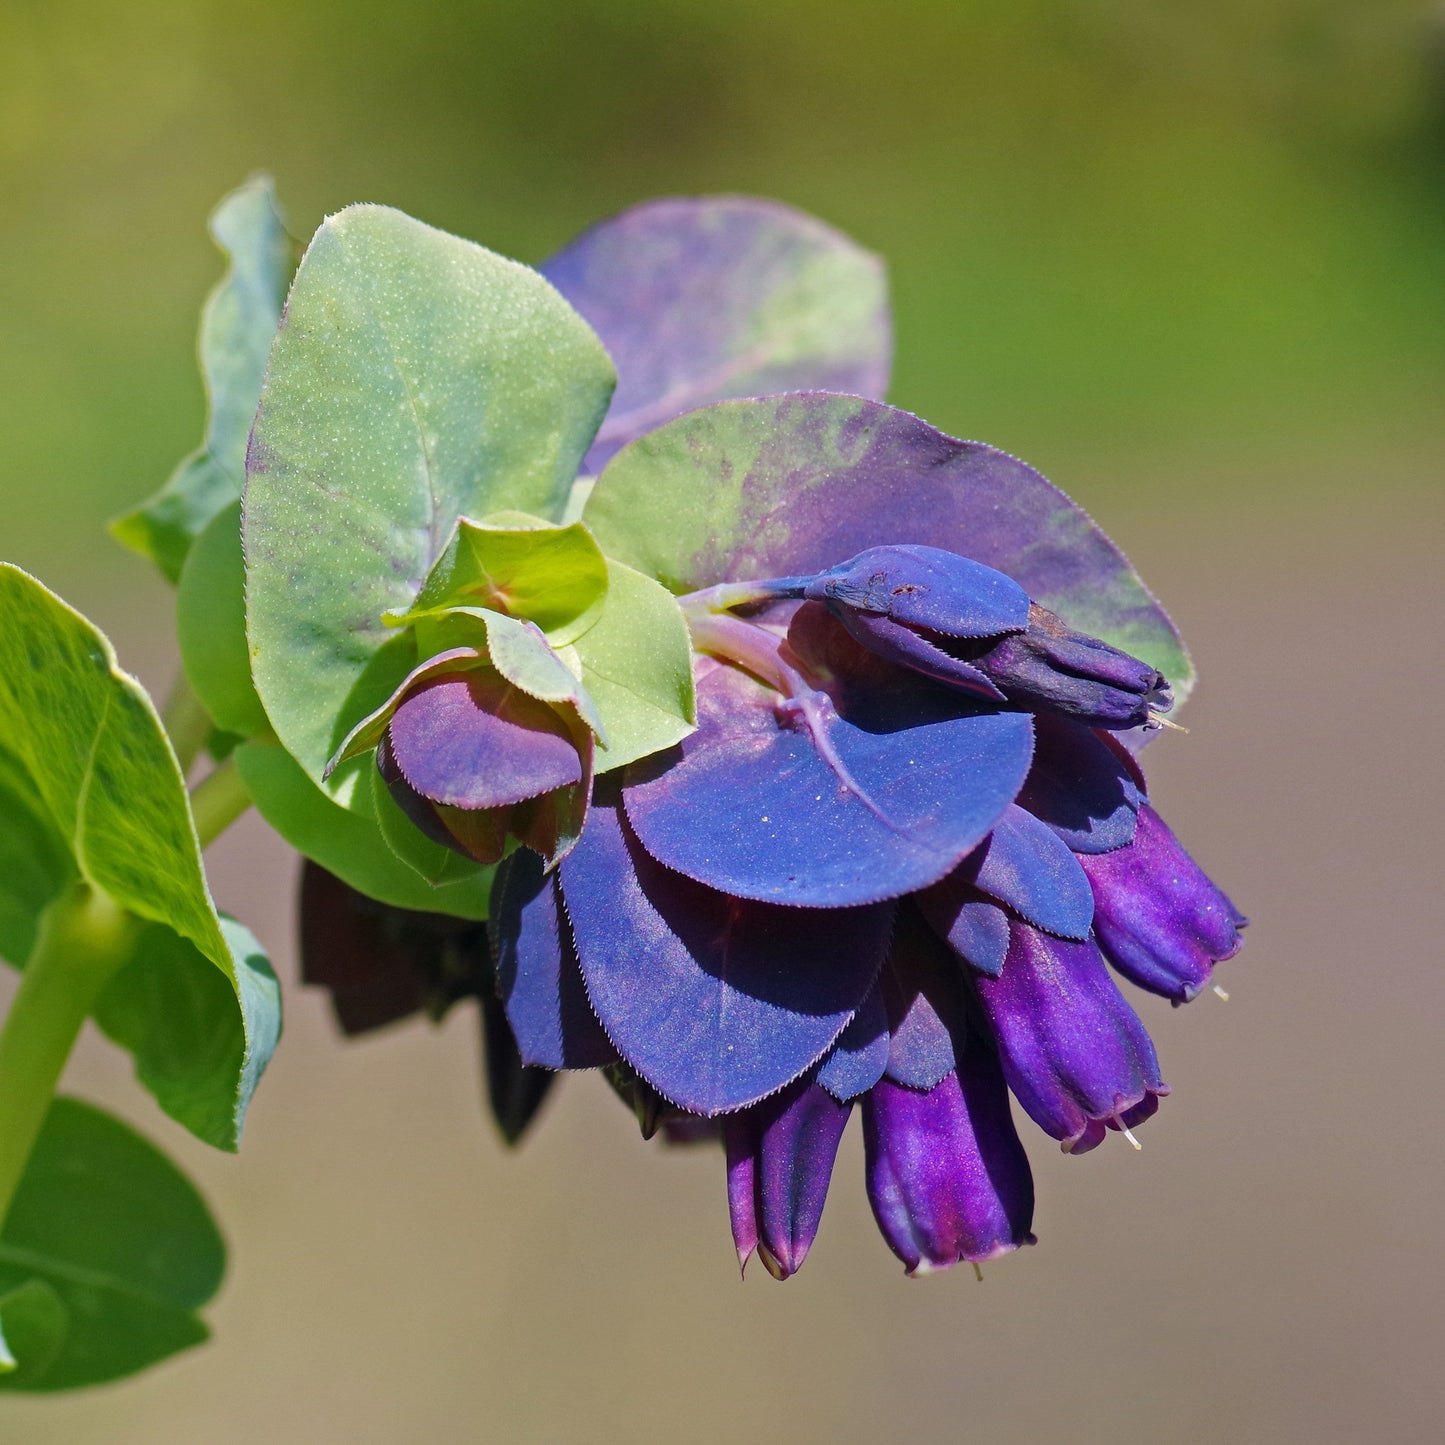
x=789, y=485
x=721, y=296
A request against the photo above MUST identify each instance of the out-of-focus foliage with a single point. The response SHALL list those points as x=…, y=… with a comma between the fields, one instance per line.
x=1140, y=244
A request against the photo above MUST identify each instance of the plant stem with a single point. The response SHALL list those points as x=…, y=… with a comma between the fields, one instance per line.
x=218, y=800
x=186, y=722
x=84, y=938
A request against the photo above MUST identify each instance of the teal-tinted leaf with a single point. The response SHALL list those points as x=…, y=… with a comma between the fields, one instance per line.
x=349, y=842
x=102, y=770
x=237, y=325
x=416, y=379
x=105, y=1256
x=34, y=861
x=211, y=621
x=787, y=485
x=177, y=1017
x=636, y=664
x=555, y=577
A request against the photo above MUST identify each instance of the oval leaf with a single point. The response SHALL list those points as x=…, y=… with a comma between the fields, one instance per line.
x=788, y=485
x=103, y=770
x=702, y=299
x=106, y=1255
x=211, y=626
x=415, y=379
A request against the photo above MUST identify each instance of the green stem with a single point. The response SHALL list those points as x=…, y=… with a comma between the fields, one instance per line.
x=186, y=722
x=218, y=800
x=84, y=938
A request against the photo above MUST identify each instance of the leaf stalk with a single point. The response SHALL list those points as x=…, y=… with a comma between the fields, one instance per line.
x=84, y=939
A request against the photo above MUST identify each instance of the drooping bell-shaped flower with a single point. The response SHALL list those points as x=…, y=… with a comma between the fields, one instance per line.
x=1158, y=918
x=1074, y=1053
x=892, y=863
x=947, y=1176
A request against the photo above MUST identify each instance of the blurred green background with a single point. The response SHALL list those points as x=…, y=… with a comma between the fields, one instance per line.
x=1185, y=256
x=1172, y=253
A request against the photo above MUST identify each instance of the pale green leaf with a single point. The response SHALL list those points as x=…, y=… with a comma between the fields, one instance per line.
x=349, y=842
x=637, y=668
x=237, y=325
x=417, y=379
x=211, y=623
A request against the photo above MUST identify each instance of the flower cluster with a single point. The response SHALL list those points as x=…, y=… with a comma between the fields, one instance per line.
x=897, y=863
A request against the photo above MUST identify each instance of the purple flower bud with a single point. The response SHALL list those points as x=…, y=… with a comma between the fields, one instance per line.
x=975, y=629
x=1158, y=918
x=472, y=760
x=1074, y=1053
x=1051, y=668
x=947, y=1176
x=780, y=1158
x=909, y=604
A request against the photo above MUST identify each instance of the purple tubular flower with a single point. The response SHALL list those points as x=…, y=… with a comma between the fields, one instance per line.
x=1158, y=918
x=947, y=1176
x=1074, y=1053
x=975, y=629
x=780, y=1157
x=471, y=760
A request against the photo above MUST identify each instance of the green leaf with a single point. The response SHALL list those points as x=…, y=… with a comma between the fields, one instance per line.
x=33, y=1326
x=636, y=665
x=349, y=842
x=553, y=576
x=107, y=782
x=237, y=325
x=34, y=861
x=417, y=379
x=106, y=1256
x=211, y=622
x=177, y=1017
